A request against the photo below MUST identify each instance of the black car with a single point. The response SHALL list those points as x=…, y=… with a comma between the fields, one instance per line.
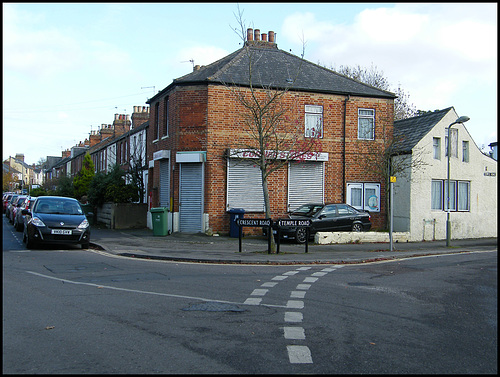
x=56, y=220
x=326, y=218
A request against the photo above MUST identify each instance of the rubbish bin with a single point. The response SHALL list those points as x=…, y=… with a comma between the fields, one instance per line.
x=160, y=221
x=234, y=214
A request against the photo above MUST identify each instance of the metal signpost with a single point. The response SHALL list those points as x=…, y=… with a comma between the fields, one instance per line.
x=258, y=223
x=294, y=223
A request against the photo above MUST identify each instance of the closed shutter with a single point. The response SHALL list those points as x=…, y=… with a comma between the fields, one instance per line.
x=305, y=183
x=244, y=186
x=164, y=184
x=191, y=197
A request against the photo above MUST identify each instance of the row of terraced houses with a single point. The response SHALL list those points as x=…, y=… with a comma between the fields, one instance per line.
x=186, y=139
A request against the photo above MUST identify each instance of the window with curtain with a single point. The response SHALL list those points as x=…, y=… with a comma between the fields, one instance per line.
x=364, y=196
x=465, y=151
x=366, y=124
x=436, y=147
x=314, y=121
x=453, y=198
x=463, y=196
x=437, y=195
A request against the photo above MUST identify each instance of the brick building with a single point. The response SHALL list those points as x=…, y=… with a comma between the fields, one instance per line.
x=198, y=170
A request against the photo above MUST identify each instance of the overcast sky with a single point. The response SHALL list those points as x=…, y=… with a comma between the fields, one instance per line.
x=68, y=67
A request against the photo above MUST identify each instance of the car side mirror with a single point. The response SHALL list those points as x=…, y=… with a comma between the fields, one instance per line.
x=321, y=217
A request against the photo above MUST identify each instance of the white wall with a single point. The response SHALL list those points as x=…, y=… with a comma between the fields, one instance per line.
x=427, y=224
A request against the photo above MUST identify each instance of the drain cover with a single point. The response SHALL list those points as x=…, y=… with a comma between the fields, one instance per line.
x=215, y=307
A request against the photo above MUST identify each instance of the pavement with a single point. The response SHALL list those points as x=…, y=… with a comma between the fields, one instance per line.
x=201, y=248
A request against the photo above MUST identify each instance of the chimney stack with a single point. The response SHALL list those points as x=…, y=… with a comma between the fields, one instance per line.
x=255, y=38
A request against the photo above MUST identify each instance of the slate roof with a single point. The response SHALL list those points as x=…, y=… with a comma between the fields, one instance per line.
x=408, y=132
x=275, y=68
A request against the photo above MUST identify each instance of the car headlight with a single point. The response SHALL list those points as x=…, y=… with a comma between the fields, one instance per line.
x=84, y=224
x=37, y=222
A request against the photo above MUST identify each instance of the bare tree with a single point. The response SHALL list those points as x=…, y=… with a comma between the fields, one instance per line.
x=372, y=76
x=270, y=132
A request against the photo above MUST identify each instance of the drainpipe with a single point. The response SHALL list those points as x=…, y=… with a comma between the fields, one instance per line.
x=343, y=154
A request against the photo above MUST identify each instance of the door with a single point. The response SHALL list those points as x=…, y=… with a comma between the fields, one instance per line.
x=191, y=197
x=164, y=184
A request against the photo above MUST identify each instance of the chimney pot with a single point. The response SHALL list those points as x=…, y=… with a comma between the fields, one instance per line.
x=117, y=116
x=249, y=34
x=271, y=36
x=196, y=67
x=257, y=34
x=264, y=37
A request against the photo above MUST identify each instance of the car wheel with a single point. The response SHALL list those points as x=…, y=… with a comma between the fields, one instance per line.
x=29, y=243
x=300, y=235
x=357, y=227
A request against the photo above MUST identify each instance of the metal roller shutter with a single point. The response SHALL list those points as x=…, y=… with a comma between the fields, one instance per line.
x=244, y=186
x=164, y=184
x=305, y=183
x=191, y=197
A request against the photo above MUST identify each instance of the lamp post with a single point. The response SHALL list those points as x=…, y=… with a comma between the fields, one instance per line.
x=462, y=119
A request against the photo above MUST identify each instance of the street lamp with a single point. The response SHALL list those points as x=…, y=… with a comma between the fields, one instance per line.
x=462, y=119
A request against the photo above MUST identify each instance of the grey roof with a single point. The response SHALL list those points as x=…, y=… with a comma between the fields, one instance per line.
x=408, y=132
x=275, y=68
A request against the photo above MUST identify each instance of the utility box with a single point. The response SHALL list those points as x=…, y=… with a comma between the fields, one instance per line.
x=234, y=214
x=159, y=217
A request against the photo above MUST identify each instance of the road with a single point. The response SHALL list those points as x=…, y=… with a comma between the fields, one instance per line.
x=82, y=311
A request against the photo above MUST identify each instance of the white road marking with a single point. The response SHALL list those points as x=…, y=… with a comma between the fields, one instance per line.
x=291, y=273
x=294, y=333
x=259, y=292
x=269, y=284
x=297, y=294
x=293, y=317
x=319, y=274
x=303, y=286
x=294, y=304
x=249, y=301
x=303, y=268
x=310, y=280
x=280, y=277
x=299, y=355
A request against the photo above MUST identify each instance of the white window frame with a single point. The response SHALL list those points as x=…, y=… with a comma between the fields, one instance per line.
x=465, y=151
x=436, y=148
x=369, y=201
x=313, y=116
x=366, y=115
x=459, y=199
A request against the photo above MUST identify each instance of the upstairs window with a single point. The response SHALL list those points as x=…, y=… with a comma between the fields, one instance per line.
x=157, y=122
x=436, y=148
x=453, y=142
x=465, y=151
x=165, y=127
x=366, y=124
x=314, y=121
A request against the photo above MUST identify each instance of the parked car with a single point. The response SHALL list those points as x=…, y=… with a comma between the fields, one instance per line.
x=55, y=220
x=15, y=206
x=5, y=200
x=19, y=218
x=326, y=218
x=9, y=205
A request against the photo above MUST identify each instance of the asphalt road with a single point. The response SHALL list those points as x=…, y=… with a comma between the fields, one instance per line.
x=81, y=311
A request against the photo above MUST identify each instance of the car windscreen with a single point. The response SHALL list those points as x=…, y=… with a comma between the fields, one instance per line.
x=307, y=210
x=58, y=206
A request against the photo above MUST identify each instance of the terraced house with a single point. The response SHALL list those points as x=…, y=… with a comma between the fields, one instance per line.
x=197, y=125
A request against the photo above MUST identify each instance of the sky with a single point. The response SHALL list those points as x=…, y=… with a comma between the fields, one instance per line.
x=69, y=67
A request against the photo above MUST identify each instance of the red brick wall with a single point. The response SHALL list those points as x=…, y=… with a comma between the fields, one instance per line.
x=209, y=119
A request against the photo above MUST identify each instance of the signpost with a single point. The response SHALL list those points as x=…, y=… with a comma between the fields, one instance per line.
x=268, y=223
x=294, y=223
x=258, y=223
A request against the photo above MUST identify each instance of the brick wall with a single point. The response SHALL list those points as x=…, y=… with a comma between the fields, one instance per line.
x=194, y=128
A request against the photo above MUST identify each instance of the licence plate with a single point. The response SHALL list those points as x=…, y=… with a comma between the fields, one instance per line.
x=61, y=231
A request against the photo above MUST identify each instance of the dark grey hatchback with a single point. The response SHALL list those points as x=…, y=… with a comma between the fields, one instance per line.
x=56, y=220
x=326, y=218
